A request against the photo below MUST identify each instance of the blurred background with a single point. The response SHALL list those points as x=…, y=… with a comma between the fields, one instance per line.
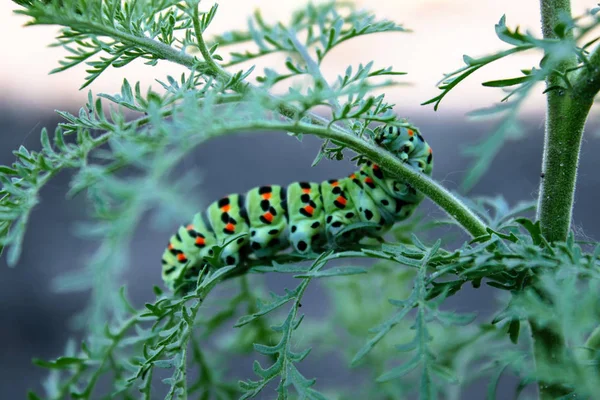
x=35, y=320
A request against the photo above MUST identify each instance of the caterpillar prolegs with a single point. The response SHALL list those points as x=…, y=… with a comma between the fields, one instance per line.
x=308, y=216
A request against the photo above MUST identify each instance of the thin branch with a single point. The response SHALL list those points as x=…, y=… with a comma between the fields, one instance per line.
x=215, y=68
x=430, y=188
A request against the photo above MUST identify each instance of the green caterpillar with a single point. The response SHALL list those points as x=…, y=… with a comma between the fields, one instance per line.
x=308, y=216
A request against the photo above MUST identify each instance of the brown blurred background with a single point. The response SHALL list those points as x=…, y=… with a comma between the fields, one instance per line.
x=34, y=321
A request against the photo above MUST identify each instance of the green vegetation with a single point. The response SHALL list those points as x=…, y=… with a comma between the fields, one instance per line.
x=389, y=319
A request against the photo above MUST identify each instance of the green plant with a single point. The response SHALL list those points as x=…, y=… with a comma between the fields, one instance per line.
x=549, y=280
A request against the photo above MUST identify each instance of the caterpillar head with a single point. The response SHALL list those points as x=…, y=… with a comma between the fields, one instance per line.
x=407, y=144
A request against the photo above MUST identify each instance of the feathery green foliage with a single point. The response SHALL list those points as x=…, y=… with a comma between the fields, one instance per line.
x=572, y=38
x=124, y=148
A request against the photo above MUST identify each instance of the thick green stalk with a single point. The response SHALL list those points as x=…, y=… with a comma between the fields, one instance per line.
x=548, y=349
x=566, y=113
x=565, y=121
x=562, y=140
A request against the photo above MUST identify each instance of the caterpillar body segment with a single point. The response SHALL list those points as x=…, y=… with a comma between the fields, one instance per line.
x=307, y=217
x=340, y=210
x=228, y=217
x=196, y=236
x=266, y=212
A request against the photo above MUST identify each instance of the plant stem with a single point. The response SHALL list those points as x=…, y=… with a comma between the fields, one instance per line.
x=565, y=121
x=548, y=349
x=455, y=208
x=566, y=114
x=216, y=69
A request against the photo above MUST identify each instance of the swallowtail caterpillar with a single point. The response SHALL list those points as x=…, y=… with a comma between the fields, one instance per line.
x=309, y=217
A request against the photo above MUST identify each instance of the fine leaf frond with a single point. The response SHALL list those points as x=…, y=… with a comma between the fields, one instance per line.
x=570, y=43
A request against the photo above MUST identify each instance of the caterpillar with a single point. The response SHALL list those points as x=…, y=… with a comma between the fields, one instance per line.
x=310, y=217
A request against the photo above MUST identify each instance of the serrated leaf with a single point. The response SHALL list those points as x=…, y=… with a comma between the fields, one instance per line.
x=400, y=371
x=507, y=82
x=534, y=229
x=381, y=332
x=7, y=170
x=332, y=272
x=59, y=363
x=457, y=319
x=266, y=308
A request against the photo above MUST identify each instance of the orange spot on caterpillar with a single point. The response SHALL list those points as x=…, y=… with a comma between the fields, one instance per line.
x=430, y=151
x=307, y=190
x=266, y=196
x=200, y=241
x=268, y=216
x=336, y=183
x=352, y=176
x=368, y=179
x=309, y=209
x=226, y=208
x=190, y=227
x=410, y=132
x=230, y=227
x=375, y=166
x=170, y=246
x=181, y=257
x=341, y=200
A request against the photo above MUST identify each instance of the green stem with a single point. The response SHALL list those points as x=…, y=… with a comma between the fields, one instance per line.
x=566, y=114
x=548, y=350
x=437, y=193
x=565, y=121
x=212, y=66
x=567, y=111
x=183, y=383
